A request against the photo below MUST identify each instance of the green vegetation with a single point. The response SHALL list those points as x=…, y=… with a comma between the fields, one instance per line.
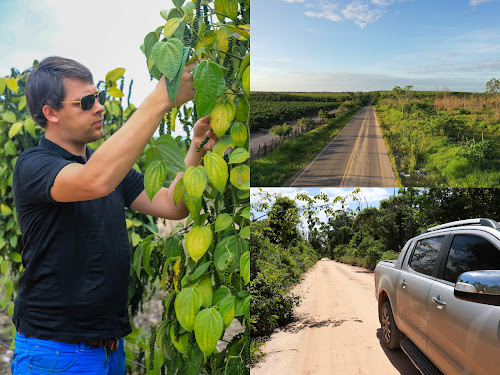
x=440, y=138
x=268, y=108
x=364, y=237
x=275, y=168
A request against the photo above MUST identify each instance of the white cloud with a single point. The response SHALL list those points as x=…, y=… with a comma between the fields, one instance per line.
x=478, y=2
x=361, y=13
x=293, y=1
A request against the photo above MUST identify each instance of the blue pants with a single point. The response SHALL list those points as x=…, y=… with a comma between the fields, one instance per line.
x=35, y=356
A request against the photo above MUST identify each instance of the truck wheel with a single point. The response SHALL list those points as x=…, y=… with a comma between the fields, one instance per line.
x=390, y=331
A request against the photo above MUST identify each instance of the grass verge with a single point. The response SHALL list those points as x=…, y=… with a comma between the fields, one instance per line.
x=275, y=168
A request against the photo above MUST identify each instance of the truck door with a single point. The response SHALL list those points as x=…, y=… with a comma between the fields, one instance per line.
x=464, y=337
x=413, y=287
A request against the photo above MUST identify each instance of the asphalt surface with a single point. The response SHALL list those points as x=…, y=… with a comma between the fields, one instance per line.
x=336, y=332
x=356, y=157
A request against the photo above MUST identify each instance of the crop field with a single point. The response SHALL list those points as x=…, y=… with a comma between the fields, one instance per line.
x=270, y=108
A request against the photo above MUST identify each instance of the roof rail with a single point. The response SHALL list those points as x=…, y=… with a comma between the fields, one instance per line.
x=482, y=222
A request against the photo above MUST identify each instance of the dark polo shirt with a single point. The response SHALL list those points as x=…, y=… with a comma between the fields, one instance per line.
x=76, y=255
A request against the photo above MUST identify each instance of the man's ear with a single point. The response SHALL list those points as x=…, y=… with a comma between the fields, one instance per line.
x=50, y=113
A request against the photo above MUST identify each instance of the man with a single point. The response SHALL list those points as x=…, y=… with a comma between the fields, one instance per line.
x=71, y=312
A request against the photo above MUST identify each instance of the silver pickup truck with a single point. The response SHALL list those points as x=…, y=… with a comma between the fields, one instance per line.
x=440, y=300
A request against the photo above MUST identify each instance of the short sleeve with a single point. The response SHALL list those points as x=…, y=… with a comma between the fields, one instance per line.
x=133, y=185
x=35, y=172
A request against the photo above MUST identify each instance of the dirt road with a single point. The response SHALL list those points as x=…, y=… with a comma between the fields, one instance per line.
x=337, y=331
x=357, y=156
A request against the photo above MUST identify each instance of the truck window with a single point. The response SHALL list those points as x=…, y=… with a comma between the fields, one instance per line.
x=425, y=254
x=470, y=253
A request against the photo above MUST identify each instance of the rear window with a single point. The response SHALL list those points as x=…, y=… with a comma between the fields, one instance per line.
x=425, y=254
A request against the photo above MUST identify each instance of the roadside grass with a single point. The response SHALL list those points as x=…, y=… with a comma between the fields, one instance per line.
x=275, y=168
x=432, y=153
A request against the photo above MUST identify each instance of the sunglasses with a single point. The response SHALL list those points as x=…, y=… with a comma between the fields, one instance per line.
x=88, y=101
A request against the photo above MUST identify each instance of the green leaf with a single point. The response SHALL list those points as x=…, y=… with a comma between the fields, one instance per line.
x=227, y=8
x=221, y=117
x=14, y=129
x=168, y=57
x=239, y=133
x=195, y=180
x=147, y=249
x=223, y=144
x=167, y=149
x=11, y=84
x=22, y=103
x=227, y=310
x=172, y=25
x=136, y=238
x=205, y=286
x=245, y=267
x=193, y=205
x=209, y=84
x=2, y=85
x=245, y=213
x=239, y=155
x=5, y=210
x=4, y=267
x=196, y=358
x=208, y=328
x=246, y=80
x=138, y=261
x=219, y=295
x=149, y=41
x=226, y=250
x=114, y=75
x=198, y=241
x=223, y=221
x=242, y=110
x=15, y=257
x=183, y=344
x=154, y=178
x=178, y=3
x=179, y=191
x=173, y=86
x=239, y=175
x=29, y=125
x=200, y=270
x=216, y=169
x=246, y=307
x=171, y=247
x=187, y=304
x=9, y=116
x=115, y=92
x=245, y=232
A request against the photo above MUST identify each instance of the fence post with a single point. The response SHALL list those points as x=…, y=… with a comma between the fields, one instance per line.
x=265, y=149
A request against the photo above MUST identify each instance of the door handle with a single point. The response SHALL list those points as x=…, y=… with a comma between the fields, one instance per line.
x=440, y=304
x=404, y=284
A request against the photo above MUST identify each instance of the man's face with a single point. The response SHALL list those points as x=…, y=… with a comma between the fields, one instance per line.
x=79, y=126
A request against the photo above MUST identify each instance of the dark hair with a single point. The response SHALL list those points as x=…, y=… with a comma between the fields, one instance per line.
x=45, y=84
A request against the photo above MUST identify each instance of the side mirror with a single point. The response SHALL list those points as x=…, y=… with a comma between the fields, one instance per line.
x=479, y=287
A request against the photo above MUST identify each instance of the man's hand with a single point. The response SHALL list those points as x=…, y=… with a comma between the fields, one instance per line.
x=186, y=88
x=201, y=129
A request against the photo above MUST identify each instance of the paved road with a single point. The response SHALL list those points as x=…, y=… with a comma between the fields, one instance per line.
x=337, y=331
x=356, y=157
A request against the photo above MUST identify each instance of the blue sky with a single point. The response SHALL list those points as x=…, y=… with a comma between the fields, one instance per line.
x=363, y=45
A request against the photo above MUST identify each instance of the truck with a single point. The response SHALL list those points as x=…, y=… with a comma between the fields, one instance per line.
x=440, y=300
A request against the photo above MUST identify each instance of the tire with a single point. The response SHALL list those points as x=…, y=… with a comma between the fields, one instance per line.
x=391, y=335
